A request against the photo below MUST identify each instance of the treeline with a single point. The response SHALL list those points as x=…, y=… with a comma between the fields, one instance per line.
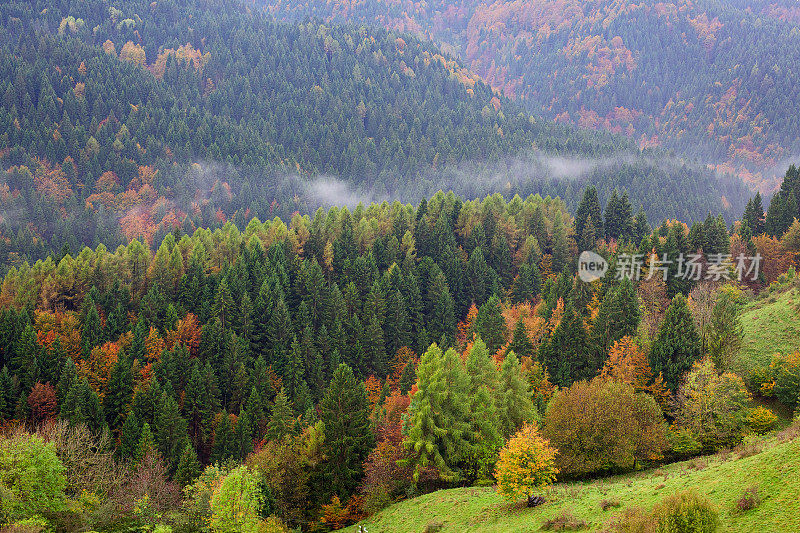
x=122, y=121
x=355, y=357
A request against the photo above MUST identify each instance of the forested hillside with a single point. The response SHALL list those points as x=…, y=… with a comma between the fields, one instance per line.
x=128, y=119
x=714, y=79
x=315, y=371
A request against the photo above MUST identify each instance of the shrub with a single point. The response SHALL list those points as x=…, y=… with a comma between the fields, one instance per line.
x=605, y=505
x=786, y=374
x=527, y=463
x=685, y=512
x=566, y=521
x=761, y=420
x=632, y=520
x=711, y=406
x=749, y=448
x=88, y=460
x=35, y=524
x=749, y=500
x=602, y=426
x=684, y=442
x=31, y=478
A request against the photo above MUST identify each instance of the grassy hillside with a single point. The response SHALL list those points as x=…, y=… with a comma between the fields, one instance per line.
x=722, y=478
x=771, y=326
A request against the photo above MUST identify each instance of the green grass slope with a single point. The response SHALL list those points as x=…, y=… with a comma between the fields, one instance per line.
x=771, y=326
x=723, y=479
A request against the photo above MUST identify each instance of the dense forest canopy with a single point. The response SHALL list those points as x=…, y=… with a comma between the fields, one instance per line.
x=334, y=363
x=715, y=79
x=125, y=120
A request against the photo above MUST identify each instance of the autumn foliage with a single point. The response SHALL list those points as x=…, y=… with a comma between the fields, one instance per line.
x=527, y=464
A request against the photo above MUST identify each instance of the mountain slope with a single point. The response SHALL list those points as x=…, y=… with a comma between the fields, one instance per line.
x=775, y=472
x=717, y=80
x=121, y=120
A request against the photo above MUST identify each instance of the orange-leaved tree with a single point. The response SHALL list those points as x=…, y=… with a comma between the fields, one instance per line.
x=527, y=464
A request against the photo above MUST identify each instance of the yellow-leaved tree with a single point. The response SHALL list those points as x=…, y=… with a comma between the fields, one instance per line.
x=527, y=464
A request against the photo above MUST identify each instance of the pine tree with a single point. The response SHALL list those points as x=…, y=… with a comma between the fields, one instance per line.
x=146, y=444
x=490, y=324
x=119, y=394
x=281, y=423
x=677, y=345
x=129, y=437
x=169, y=429
x=224, y=444
x=589, y=215
x=189, y=467
x=348, y=438
x=520, y=342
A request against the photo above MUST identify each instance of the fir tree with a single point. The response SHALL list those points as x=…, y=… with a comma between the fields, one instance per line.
x=82, y=406
x=189, y=467
x=677, y=345
x=490, y=324
x=91, y=328
x=281, y=423
x=520, y=342
x=224, y=444
x=146, y=444
x=407, y=378
x=169, y=429
x=119, y=394
x=243, y=436
x=589, y=215
x=129, y=437
x=566, y=353
x=348, y=439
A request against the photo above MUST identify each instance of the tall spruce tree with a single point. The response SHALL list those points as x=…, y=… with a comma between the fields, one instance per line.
x=677, y=345
x=490, y=324
x=348, y=438
x=281, y=423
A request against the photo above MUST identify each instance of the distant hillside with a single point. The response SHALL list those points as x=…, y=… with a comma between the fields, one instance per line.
x=714, y=79
x=128, y=119
x=775, y=472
